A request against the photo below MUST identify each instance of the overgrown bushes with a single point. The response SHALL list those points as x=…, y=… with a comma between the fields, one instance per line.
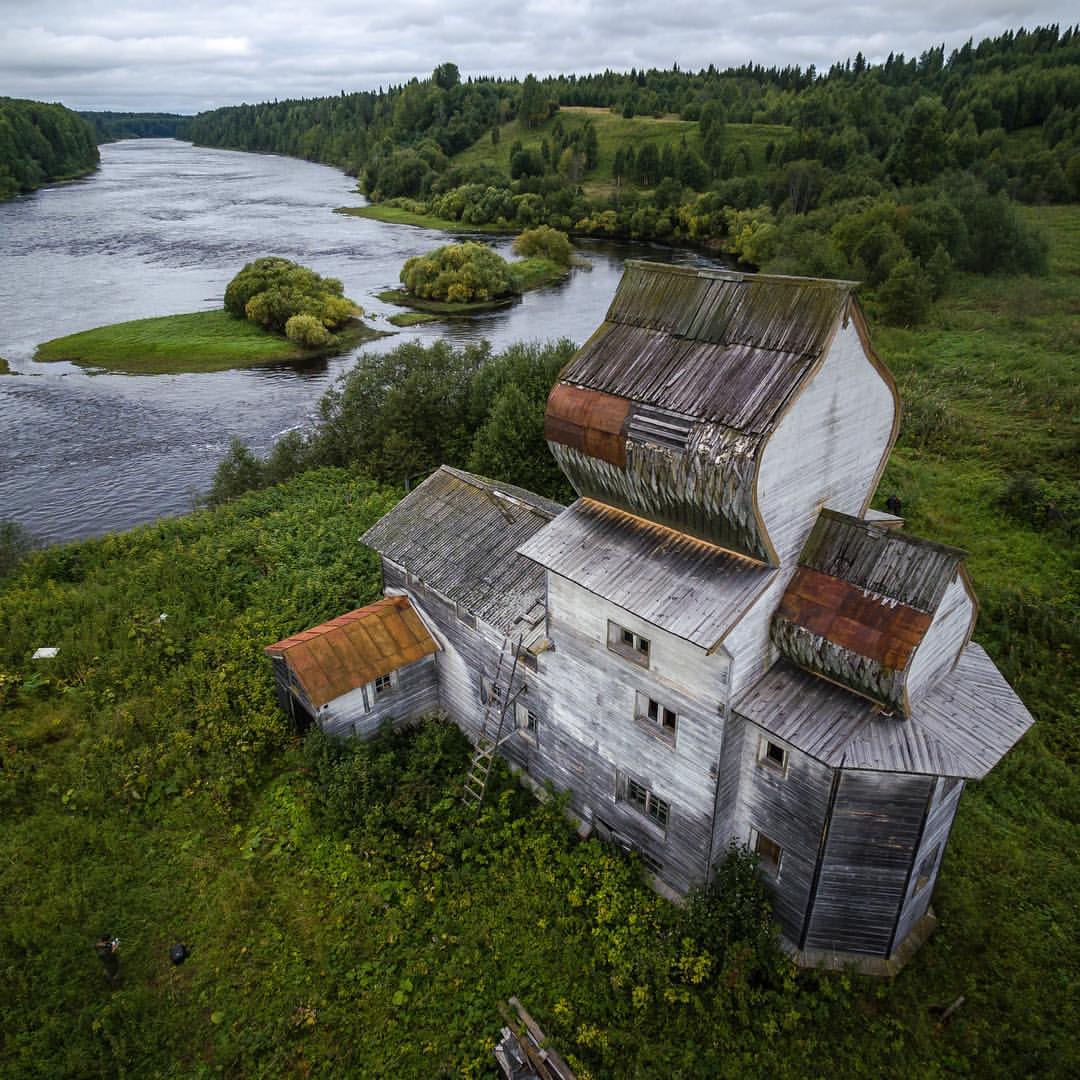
x=458, y=274
x=272, y=292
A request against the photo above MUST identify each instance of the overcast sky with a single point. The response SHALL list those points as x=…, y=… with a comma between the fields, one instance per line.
x=190, y=55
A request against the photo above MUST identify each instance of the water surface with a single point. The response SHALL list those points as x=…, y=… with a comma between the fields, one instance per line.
x=160, y=229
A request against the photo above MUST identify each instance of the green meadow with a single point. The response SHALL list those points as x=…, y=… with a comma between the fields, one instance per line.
x=347, y=918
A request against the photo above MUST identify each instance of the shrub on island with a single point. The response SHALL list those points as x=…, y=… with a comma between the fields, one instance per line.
x=272, y=291
x=544, y=242
x=458, y=274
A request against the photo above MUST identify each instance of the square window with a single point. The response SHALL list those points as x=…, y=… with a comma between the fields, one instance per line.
x=657, y=717
x=772, y=755
x=528, y=723
x=383, y=684
x=770, y=854
x=642, y=799
x=629, y=644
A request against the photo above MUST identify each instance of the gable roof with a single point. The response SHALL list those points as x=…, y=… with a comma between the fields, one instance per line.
x=860, y=602
x=340, y=655
x=665, y=410
x=687, y=587
x=963, y=726
x=459, y=533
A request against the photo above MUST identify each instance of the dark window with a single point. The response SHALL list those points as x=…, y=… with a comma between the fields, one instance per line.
x=627, y=643
x=383, y=683
x=657, y=717
x=773, y=755
x=651, y=805
x=770, y=854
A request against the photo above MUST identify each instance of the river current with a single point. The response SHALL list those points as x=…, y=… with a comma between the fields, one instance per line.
x=160, y=229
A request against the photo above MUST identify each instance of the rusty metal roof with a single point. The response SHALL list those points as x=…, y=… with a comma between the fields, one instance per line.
x=353, y=649
x=458, y=533
x=963, y=726
x=881, y=560
x=687, y=587
x=861, y=601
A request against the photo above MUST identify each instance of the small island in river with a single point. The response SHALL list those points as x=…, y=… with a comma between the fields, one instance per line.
x=274, y=311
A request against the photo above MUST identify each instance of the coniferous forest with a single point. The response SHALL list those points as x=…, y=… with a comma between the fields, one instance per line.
x=40, y=144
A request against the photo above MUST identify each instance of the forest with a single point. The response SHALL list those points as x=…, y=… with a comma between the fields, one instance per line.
x=895, y=174
x=111, y=126
x=40, y=144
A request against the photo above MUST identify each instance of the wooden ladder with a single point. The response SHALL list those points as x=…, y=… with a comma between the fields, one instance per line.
x=502, y=699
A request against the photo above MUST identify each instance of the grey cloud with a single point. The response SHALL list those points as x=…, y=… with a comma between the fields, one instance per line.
x=136, y=55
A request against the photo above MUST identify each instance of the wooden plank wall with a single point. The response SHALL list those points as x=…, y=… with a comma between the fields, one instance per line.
x=874, y=830
x=591, y=698
x=790, y=808
x=939, y=821
x=360, y=713
x=942, y=642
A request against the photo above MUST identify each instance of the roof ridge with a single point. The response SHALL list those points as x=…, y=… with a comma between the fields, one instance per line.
x=741, y=276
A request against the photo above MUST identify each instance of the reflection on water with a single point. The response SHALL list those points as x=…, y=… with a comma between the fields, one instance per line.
x=160, y=229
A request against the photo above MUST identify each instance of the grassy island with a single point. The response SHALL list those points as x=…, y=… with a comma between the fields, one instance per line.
x=462, y=279
x=5, y=367
x=197, y=342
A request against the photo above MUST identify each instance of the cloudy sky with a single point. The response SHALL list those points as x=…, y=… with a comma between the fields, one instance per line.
x=189, y=55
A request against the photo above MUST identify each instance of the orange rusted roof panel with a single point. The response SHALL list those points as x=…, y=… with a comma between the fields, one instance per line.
x=853, y=618
x=589, y=421
x=355, y=648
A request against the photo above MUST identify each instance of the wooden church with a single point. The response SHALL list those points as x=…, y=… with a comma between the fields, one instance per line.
x=719, y=641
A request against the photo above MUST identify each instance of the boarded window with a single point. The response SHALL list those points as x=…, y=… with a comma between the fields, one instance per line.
x=770, y=854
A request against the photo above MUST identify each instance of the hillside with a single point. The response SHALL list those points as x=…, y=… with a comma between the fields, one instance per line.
x=345, y=917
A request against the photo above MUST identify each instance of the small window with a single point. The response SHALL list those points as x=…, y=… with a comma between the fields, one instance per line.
x=528, y=723
x=627, y=643
x=770, y=854
x=383, y=684
x=650, y=804
x=490, y=694
x=926, y=871
x=772, y=755
x=657, y=717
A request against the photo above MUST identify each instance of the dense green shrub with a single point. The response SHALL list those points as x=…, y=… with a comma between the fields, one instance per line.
x=905, y=296
x=271, y=290
x=308, y=331
x=546, y=243
x=459, y=274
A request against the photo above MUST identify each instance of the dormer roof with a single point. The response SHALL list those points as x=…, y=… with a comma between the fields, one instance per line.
x=860, y=603
x=664, y=411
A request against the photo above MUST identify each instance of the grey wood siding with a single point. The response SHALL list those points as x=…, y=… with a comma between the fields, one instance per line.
x=939, y=821
x=729, y=774
x=790, y=809
x=592, y=706
x=873, y=833
x=361, y=713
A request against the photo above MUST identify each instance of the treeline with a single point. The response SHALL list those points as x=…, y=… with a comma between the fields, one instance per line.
x=41, y=143
x=111, y=126
x=399, y=415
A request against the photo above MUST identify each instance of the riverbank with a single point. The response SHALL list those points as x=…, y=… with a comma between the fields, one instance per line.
x=395, y=215
x=201, y=341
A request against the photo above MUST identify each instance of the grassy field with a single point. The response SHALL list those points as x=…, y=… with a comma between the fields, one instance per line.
x=394, y=215
x=172, y=344
x=612, y=132
x=150, y=789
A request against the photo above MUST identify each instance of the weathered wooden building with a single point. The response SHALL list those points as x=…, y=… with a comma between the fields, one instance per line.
x=718, y=641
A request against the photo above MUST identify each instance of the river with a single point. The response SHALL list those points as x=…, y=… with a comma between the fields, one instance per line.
x=160, y=229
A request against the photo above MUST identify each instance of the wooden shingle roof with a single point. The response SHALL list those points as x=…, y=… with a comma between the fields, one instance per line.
x=340, y=655
x=963, y=726
x=458, y=533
